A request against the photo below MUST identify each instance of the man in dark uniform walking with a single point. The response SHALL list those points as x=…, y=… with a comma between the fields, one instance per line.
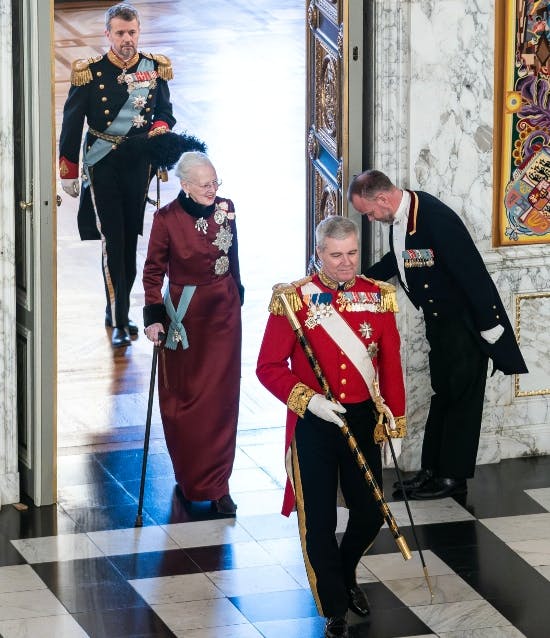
x=348, y=320
x=121, y=94
x=442, y=272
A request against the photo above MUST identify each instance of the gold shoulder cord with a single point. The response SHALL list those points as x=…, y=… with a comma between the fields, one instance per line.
x=165, y=70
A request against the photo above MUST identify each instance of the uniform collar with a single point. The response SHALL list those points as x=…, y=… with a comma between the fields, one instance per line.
x=334, y=285
x=121, y=64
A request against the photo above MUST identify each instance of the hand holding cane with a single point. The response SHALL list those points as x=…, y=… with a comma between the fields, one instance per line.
x=139, y=517
x=352, y=443
x=383, y=422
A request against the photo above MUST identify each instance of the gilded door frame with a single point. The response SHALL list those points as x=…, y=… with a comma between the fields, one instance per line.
x=334, y=110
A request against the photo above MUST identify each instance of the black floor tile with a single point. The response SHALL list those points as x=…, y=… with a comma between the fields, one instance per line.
x=293, y=628
x=77, y=572
x=155, y=564
x=283, y=605
x=48, y=520
x=135, y=623
x=126, y=465
x=96, y=519
x=79, y=469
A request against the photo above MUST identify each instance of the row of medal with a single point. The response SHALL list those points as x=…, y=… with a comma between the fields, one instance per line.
x=418, y=257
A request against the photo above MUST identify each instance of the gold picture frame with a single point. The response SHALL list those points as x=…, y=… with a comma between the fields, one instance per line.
x=532, y=315
x=521, y=135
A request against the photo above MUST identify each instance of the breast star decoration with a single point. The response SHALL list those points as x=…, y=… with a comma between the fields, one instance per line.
x=366, y=330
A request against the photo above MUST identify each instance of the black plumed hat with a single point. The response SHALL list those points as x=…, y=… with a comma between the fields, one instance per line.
x=162, y=151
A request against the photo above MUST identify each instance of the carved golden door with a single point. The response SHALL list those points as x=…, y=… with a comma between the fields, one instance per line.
x=334, y=43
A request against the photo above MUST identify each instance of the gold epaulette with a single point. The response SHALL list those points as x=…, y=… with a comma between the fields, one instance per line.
x=388, y=296
x=289, y=290
x=80, y=71
x=165, y=70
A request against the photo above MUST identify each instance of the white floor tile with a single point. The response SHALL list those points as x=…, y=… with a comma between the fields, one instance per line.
x=476, y=614
x=29, y=604
x=239, y=582
x=541, y=495
x=535, y=552
x=19, y=578
x=202, y=614
x=133, y=540
x=176, y=589
x=232, y=631
x=519, y=528
x=393, y=566
x=58, y=626
x=485, y=632
x=447, y=588
x=204, y=533
x=270, y=526
x=56, y=548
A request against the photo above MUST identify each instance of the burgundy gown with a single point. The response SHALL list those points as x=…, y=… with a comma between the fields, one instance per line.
x=199, y=387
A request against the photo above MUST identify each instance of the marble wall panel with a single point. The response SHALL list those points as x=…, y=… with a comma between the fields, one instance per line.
x=9, y=478
x=434, y=128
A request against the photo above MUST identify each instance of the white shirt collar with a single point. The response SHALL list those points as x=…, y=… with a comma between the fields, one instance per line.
x=402, y=212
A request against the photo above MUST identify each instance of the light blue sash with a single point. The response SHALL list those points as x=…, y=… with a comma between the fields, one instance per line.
x=120, y=125
x=176, y=331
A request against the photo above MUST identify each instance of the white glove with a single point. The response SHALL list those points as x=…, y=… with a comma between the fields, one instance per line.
x=71, y=187
x=325, y=409
x=386, y=452
x=493, y=334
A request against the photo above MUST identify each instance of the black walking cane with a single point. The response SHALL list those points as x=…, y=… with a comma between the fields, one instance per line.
x=139, y=517
x=379, y=401
x=352, y=443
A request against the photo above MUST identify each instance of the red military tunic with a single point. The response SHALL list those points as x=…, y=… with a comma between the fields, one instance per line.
x=376, y=331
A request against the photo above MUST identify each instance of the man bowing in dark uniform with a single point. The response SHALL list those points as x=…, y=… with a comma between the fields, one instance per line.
x=121, y=94
x=349, y=323
x=438, y=265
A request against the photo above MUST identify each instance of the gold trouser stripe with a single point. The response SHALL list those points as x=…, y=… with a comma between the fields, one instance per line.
x=105, y=264
x=302, y=526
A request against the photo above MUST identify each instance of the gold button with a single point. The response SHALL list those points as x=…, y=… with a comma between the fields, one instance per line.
x=149, y=96
x=106, y=111
x=103, y=99
x=99, y=74
x=426, y=286
x=102, y=86
x=113, y=147
x=343, y=366
x=497, y=316
x=494, y=307
x=435, y=314
x=343, y=381
x=430, y=300
x=109, y=123
x=342, y=395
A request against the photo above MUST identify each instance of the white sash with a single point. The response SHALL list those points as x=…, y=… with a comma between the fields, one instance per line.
x=345, y=338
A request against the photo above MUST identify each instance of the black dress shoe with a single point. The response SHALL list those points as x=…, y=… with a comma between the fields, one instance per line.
x=440, y=488
x=336, y=627
x=120, y=338
x=357, y=601
x=416, y=481
x=131, y=327
x=225, y=505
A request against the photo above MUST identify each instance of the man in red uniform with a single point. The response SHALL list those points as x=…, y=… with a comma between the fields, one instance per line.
x=347, y=321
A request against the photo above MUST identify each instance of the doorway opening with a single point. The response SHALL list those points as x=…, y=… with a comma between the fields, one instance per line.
x=240, y=88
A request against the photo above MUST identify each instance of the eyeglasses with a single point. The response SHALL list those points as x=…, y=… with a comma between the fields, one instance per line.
x=214, y=184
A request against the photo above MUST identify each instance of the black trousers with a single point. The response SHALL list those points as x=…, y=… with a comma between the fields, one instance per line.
x=118, y=192
x=458, y=371
x=321, y=458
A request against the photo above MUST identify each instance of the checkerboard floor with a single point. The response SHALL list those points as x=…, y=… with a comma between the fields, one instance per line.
x=81, y=568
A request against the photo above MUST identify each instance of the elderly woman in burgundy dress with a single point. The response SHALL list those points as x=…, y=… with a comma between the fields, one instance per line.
x=194, y=242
